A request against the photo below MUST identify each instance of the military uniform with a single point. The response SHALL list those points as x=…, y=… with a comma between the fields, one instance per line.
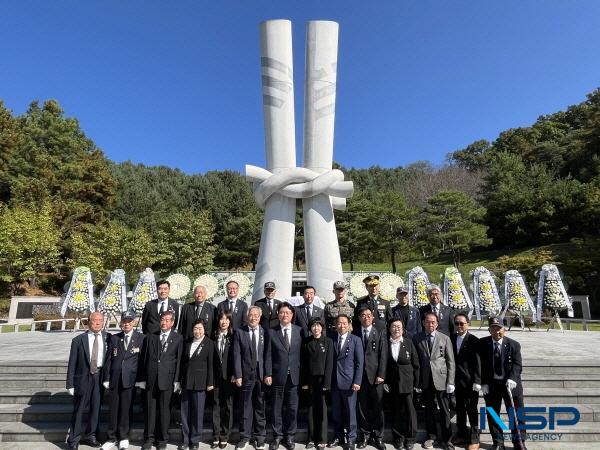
x=334, y=309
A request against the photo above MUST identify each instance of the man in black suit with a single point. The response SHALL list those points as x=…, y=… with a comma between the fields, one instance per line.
x=443, y=313
x=370, y=396
x=153, y=309
x=468, y=380
x=119, y=376
x=410, y=316
x=308, y=311
x=381, y=309
x=285, y=347
x=158, y=374
x=232, y=304
x=269, y=306
x=86, y=359
x=250, y=364
x=501, y=366
x=199, y=309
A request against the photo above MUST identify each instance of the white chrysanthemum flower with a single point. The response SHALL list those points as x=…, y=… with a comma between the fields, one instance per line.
x=180, y=285
x=210, y=282
x=388, y=284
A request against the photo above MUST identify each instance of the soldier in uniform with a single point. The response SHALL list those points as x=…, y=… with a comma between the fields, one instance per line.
x=339, y=306
x=381, y=309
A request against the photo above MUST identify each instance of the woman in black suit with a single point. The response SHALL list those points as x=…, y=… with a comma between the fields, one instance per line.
x=196, y=376
x=223, y=394
x=401, y=379
x=317, y=367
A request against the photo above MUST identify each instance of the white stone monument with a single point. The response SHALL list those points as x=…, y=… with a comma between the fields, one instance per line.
x=277, y=188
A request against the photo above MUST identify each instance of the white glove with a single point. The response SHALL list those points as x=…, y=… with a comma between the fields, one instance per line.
x=177, y=387
x=106, y=384
x=418, y=390
x=511, y=384
x=476, y=387
x=71, y=391
x=141, y=384
x=485, y=389
x=386, y=388
x=450, y=389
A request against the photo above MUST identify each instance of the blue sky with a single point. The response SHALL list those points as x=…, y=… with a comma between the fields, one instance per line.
x=177, y=83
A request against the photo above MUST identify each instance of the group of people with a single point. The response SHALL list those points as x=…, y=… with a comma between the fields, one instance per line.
x=348, y=356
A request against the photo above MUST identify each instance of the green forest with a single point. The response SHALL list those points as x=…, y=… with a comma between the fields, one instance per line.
x=530, y=197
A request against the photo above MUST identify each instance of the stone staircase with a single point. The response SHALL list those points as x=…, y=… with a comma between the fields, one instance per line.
x=35, y=408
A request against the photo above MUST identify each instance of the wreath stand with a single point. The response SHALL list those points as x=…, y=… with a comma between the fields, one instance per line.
x=519, y=315
x=555, y=318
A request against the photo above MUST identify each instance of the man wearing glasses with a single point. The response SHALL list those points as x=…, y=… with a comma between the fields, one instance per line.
x=468, y=380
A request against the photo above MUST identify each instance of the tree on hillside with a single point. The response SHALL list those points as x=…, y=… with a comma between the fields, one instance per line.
x=241, y=241
x=9, y=145
x=392, y=224
x=353, y=238
x=29, y=244
x=56, y=163
x=452, y=223
x=185, y=243
x=104, y=248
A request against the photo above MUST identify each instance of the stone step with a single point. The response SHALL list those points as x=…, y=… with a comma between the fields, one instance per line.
x=543, y=380
x=54, y=432
x=61, y=412
x=567, y=445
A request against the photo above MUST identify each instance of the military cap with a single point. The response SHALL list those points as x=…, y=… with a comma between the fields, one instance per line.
x=401, y=290
x=270, y=285
x=339, y=285
x=496, y=322
x=128, y=315
x=371, y=280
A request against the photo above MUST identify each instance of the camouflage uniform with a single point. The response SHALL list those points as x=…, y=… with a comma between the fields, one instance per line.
x=335, y=308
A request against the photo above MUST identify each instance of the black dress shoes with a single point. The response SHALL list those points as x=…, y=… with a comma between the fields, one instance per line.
x=289, y=444
x=362, y=443
x=310, y=444
x=275, y=444
x=147, y=445
x=378, y=443
x=92, y=442
x=222, y=444
x=350, y=446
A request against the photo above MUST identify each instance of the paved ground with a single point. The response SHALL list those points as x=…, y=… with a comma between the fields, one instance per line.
x=550, y=345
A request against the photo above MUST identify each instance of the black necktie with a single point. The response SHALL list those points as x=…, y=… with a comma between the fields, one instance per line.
x=254, y=349
x=126, y=341
x=497, y=360
x=198, y=310
x=340, y=342
x=162, y=308
x=430, y=342
x=270, y=308
x=308, y=312
x=365, y=339
x=163, y=341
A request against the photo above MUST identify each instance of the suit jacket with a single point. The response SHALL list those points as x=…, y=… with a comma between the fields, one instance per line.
x=375, y=361
x=382, y=313
x=223, y=364
x=403, y=374
x=349, y=362
x=268, y=319
x=512, y=362
x=242, y=355
x=78, y=370
x=151, y=319
x=122, y=365
x=437, y=367
x=161, y=364
x=188, y=316
x=197, y=371
x=468, y=364
x=302, y=319
x=317, y=360
x=413, y=321
x=284, y=361
x=445, y=319
x=239, y=316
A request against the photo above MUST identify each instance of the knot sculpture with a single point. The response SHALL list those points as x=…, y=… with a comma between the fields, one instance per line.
x=277, y=187
x=299, y=182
